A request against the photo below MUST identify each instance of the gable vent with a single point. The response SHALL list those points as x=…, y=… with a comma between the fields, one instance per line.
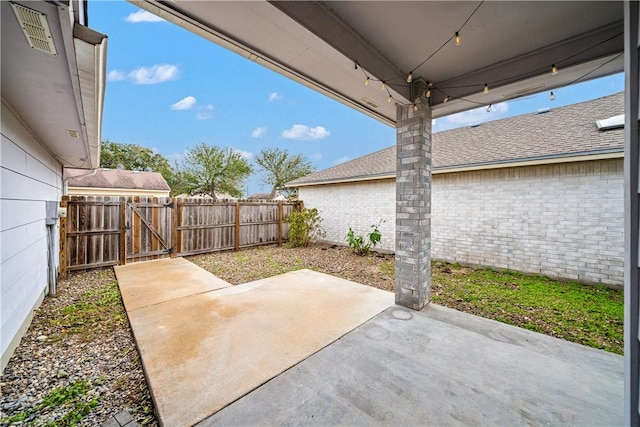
x=35, y=28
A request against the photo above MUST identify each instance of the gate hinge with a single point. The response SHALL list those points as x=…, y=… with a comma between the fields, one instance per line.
x=169, y=251
x=171, y=205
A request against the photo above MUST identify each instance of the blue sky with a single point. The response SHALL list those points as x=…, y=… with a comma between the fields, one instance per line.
x=169, y=90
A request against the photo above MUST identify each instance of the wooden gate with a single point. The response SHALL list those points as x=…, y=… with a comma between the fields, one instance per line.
x=148, y=225
x=112, y=230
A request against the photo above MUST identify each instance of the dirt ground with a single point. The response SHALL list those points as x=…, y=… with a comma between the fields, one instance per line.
x=374, y=269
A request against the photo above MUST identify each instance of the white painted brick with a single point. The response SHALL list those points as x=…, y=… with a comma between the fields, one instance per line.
x=563, y=220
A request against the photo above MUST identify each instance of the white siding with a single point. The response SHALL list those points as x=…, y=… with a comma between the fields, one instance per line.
x=29, y=176
x=562, y=220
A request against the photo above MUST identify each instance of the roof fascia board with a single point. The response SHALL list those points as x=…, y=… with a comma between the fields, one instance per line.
x=90, y=42
x=318, y=18
x=169, y=13
x=618, y=154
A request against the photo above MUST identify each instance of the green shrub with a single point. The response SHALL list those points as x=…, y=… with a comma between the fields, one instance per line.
x=304, y=226
x=358, y=244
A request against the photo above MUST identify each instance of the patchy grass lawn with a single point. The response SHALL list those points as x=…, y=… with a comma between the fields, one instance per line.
x=589, y=315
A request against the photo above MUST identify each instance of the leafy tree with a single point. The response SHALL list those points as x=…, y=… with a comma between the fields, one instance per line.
x=209, y=169
x=114, y=155
x=280, y=167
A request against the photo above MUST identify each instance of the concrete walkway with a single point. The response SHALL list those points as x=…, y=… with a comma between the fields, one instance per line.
x=440, y=367
x=274, y=352
x=203, y=351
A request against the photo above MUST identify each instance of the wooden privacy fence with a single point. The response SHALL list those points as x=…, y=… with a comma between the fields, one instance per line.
x=111, y=230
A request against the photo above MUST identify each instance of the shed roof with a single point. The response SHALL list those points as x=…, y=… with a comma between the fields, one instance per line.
x=568, y=131
x=116, y=178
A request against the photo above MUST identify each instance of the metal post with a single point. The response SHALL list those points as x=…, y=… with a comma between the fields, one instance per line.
x=631, y=212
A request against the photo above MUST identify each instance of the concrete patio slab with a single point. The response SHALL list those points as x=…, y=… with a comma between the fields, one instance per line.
x=153, y=282
x=202, y=352
x=440, y=367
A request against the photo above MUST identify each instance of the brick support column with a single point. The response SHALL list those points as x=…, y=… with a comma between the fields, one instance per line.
x=413, y=205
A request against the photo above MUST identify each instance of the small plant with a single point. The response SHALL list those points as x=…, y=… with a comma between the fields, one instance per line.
x=358, y=244
x=304, y=226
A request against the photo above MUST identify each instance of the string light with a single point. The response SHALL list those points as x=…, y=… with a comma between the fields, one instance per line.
x=489, y=108
x=552, y=96
x=554, y=70
x=428, y=93
x=410, y=77
x=457, y=36
x=383, y=86
x=366, y=81
x=389, y=99
x=446, y=99
x=415, y=107
x=486, y=88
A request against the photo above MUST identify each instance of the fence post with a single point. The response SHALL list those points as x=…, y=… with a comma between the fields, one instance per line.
x=63, y=239
x=237, y=240
x=174, y=227
x=123, y=231
x=279, y=223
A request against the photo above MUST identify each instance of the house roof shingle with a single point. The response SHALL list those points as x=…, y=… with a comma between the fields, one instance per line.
x=116, y=178
x=561, y=132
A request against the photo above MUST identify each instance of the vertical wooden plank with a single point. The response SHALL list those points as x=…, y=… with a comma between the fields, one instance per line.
x=155, y=222
x=123, y=231
x=237, y=234
x=178, y=242
x=174, y=224
x=63, y=239
x=135, y=225
x=279, y=223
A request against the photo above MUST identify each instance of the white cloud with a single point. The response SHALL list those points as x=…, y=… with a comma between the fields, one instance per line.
x=116, y=76
x=259, y=132
x=205, y=113
x=315, y=157
x=274, y=96
x=466, y=118
x=305, y=133
x=155, y=74
x=142, y=16
x=248, y=155
x=341, y=160
x=185, y=103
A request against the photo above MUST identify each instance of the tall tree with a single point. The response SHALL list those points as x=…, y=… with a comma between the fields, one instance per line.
x=280, y=167
x=209, y=169
x=114, y=155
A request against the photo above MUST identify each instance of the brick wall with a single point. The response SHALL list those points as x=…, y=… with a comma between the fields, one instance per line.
x=563, y=220
x=357, y=205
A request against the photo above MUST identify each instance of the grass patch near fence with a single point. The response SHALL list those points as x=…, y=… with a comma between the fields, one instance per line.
x=587, y=314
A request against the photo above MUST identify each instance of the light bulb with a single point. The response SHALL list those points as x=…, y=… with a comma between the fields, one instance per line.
x=366, y=81
x=389, y=100
x=458, y=42
x=383, y=86
x=489, y=108
x=486, y=88
x=554, y=70
x=428, y=94
x=410, y=78
x=446, y=98
x=415, y=107
x=552, y=96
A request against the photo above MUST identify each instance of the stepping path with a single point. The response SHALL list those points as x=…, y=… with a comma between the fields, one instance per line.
x=204, y=343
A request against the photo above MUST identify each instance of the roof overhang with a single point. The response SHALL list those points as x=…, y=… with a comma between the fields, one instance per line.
x=510, y=45
x=58, y=97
